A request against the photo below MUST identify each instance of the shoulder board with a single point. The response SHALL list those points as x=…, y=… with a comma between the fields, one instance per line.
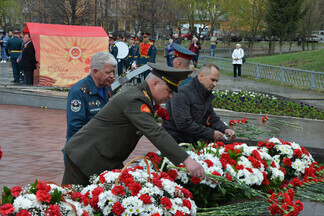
x=146, y=95
x=84, y=89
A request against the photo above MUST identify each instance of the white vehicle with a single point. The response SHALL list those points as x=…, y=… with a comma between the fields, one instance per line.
x=317, y=36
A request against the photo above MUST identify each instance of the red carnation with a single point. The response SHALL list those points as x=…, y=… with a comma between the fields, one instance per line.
x=232, y=123
x=76, y=196
x=43, y=186
x=249, y=169
x=273, y=164
x=24, y=212
x=146, y=199
x=53, y=210
x=195, y=180
x=85, y=198
x=186, y=203
x=157, y=182
x=270, y=145
x=117, y=208
x=153, y=156
x=84, y=213
x=265, y=179
x=287, y=162
x=135, y=187
x=187, y=193
x=295, y=182
x=43, y=195
x=240, y=121
x=283, y=170
x=102, y=178
x=209, y=163
x=179, y=213
x=118, y=190
x=261, y=144
x=239, y=167
x=304, y=150
x=245, y=120
x=156, y=214
x=220, y=143
x=299, y=205
x=173, y=174
x=6, y=209
x=264, y=119
x=298, y=153
x=166, y=202
x=15, y=191
x=97, y=191
x=163, y=113
x=228, y=176
x=291, y=193
x=216, y=173
x=0, y=153
x=94, y=203
x=274, y=209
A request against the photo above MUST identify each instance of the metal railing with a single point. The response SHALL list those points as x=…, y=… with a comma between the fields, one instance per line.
x=306, y=78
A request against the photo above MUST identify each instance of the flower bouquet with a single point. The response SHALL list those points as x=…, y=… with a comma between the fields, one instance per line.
x=135, y=191
x=41, y=198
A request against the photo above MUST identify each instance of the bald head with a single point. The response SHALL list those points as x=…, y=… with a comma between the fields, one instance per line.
x=209, y=76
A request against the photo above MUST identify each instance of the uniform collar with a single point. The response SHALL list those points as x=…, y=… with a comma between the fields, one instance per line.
x=93, y=89
x=144, y=86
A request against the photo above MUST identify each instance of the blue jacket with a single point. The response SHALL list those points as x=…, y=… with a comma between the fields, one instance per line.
x=83, y=103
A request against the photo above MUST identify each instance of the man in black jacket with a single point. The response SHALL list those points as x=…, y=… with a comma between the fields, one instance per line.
x=192, y=117
x=28, y=60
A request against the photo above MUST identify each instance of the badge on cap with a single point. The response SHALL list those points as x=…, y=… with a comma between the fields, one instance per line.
x=145, y=108
x=75, y=105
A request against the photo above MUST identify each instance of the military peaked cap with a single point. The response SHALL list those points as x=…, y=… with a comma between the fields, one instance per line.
x=172, y=76
x=180, y=51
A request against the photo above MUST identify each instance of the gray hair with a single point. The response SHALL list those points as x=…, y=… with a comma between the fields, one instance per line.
x=151, y=77
x=100, y=58
x=206, y=68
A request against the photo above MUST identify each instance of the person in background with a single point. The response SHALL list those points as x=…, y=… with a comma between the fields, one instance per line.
x=3, y=43
x=112, y=46
x=28, y=60
x=213, y=43
x=237, y=57
x=181, y=59
x=144, y=54
x=152, y=51
x=121, y=62
x=112, y=135
x=176, y=39
x=195, y=47
x=13, y=50
x=192, y=117
x=131, y=52
x=169, y=53
x=89, y=95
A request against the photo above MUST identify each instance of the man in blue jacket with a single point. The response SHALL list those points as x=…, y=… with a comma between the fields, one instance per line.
x=89, y=95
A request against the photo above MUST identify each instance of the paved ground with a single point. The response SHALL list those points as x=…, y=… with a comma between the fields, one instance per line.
x=31, y=138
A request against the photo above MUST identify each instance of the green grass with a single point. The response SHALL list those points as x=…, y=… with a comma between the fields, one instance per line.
x=307, y=60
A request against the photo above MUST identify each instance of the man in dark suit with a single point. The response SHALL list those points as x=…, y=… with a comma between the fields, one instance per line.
x=28, y=60
x=110, y=137
x=13, y=50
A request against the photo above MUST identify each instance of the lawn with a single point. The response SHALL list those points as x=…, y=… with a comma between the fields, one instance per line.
x=307, y=60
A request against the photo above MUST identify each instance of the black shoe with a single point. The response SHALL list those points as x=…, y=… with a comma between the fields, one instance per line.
x=13, y=81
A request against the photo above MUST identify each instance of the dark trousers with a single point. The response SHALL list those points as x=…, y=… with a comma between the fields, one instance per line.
x=29, y=77
x=170, y=60
x=212, y=50
x=72, y=174
x=15, y=70
x=120, y=66
x=238, y=68
x=195, y=60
